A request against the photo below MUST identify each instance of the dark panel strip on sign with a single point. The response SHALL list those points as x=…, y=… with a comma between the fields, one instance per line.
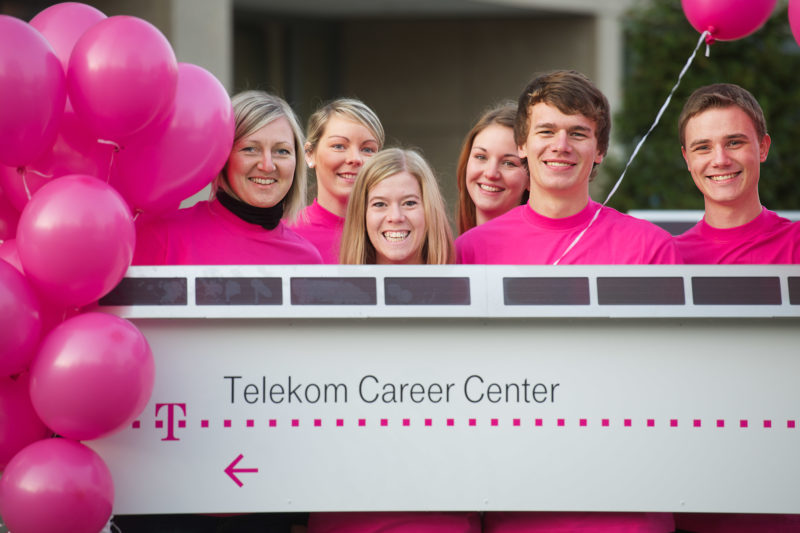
x=238, y=291
x=546, y=291
x=640, y=291
x=333, y=291
x=736, y=291
x=147, y=291
x=794, y=291
x=426, y=291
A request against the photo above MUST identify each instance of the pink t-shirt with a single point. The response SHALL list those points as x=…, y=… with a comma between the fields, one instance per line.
x=208, y=234
x=323, y=229
x=767, y=239
x=525, y=522
x=394, y=522
x=524, y=237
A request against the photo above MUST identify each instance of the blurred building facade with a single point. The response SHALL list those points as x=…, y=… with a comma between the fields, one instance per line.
x=427, y=67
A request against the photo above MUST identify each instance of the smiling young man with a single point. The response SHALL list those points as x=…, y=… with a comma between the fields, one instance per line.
x=724, y=140
x=562, y=131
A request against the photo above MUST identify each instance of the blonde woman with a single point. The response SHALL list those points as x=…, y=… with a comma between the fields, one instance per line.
x=262, y=184
x=396, y=214
x=342, y=136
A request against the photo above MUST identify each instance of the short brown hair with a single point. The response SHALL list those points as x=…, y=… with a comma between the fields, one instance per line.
x=571, y=93
x=718, y=96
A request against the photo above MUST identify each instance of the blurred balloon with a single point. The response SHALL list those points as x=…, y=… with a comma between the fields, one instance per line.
x=75, y=239
x=794, y=19
x=158, y=169
x=19, y=423
x=727, y=20
x=62, y=25
x=122, y=76
x=20, y=317
x=92, y=375
x=56, y=485
x=32, y=92
x=9, y=215
x=10, y=254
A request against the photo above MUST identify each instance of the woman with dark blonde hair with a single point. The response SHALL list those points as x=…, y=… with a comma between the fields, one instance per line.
x=491, y=177
x=262, y=185
x=342, y=135
x=396, y=214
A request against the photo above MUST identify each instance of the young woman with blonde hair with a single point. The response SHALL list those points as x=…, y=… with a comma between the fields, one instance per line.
x=342, y=136
x=396, y=214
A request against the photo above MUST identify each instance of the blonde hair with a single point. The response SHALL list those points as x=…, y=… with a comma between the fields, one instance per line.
x=349, y=108
x=254, y=110
x=437, y=247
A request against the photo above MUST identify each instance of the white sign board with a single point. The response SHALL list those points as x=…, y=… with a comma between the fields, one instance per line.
x=387, y=409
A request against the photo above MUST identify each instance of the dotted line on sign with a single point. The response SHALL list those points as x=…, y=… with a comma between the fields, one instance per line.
x=491, y=422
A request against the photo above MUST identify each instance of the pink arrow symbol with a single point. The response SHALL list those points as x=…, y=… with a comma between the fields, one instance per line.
x=231, y=470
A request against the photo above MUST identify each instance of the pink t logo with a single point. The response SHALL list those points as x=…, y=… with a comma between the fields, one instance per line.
x=171, y=419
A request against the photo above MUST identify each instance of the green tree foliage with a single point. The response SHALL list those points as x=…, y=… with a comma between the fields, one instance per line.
x=658, y=41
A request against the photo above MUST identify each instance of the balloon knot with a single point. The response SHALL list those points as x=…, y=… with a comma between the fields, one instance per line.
x=117, y=147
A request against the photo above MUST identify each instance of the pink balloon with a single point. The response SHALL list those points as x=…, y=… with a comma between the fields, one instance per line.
x=20, y=317
x=727, y=20
x=122, y=76
x=75, y=152
x=76, y=239
x=62, y=25
x=11, y=181
x=93, y=374
x=19, y=423
x=794, y=19
x=158, y=169
x=9, y=215
x=32, y=92
x=10, y=254
x=56, y=485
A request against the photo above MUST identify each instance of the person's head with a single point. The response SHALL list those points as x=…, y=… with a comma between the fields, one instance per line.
x=490, y=175
x=396, y=214
x=724, y=140
x=562, y=129
x=263, y=169
x=341, y=136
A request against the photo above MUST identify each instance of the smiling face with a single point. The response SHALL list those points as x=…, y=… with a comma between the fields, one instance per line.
x=495, y=176
x=337, y=158
x=395, y=220
x=261, y=165
x=561, y=151
x=724, y=154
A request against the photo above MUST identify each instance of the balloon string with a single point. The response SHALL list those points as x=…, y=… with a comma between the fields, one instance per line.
x=638, y=145
x=136, y=214
x=117, y=148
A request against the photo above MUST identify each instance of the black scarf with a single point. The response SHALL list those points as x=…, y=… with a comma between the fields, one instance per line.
x=266, y=217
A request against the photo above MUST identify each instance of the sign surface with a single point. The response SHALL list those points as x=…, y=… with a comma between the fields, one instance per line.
x=362, y=412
